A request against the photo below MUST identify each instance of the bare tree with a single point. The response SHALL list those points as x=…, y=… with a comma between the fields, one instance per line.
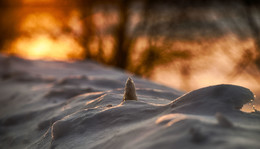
x=247, y=58
x=123, y=42
x=250, y=6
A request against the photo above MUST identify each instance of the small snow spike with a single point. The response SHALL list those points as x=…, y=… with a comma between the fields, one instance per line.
x=129, y=93
x=223, y=121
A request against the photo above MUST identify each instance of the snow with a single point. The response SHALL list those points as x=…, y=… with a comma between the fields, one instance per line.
x=52, y=104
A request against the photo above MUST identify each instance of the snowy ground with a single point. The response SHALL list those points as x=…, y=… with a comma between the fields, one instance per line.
x=80, y=105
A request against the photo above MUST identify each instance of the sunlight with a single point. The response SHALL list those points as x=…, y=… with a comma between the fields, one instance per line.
x=218, y=53
x=38, y=1
x=42, y=38
x=43, y=47
x=40, y=22
x=170, y=119
x=75, y=23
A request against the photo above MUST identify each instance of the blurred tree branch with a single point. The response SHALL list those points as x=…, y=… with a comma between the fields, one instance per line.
x=247, y=58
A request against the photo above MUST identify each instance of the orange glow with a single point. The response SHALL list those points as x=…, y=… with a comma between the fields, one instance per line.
x=42, y=38
x=51, y=35
x=140, y=46
x=38, y=1
x=101, y=20
x=75, y=23
x=40, y=22
x=210, y=61
x=43, y=47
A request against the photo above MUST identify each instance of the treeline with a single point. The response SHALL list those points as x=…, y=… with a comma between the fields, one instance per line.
x=163, y=21
x=159, y=22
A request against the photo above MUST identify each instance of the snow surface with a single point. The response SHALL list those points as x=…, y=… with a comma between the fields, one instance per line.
x=62, y=105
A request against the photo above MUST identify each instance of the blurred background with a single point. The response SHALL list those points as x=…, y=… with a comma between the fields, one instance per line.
x=184, y=44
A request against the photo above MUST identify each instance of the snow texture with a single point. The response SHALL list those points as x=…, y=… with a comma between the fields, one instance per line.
x=59, y=105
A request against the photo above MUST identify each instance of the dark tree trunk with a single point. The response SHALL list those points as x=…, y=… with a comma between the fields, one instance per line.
x=122, y=45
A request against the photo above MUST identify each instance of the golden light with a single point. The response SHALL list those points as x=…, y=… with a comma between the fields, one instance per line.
x=41, y=22
x=50, y=34
x=44, y=47
x=214, y=65
x=75, y=23
x=38, y=1
x=42, y=37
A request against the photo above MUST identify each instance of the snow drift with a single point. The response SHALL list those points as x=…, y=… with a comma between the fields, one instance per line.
x=85, y=105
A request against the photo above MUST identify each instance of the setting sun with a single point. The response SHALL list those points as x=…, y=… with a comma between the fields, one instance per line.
x=44, y=47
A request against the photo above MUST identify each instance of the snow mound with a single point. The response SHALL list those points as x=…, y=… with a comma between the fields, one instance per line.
x=209, y=100
x=81, y=105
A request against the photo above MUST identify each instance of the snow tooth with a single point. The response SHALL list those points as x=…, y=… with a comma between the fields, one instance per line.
x=223, y=121
x=129, y=93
